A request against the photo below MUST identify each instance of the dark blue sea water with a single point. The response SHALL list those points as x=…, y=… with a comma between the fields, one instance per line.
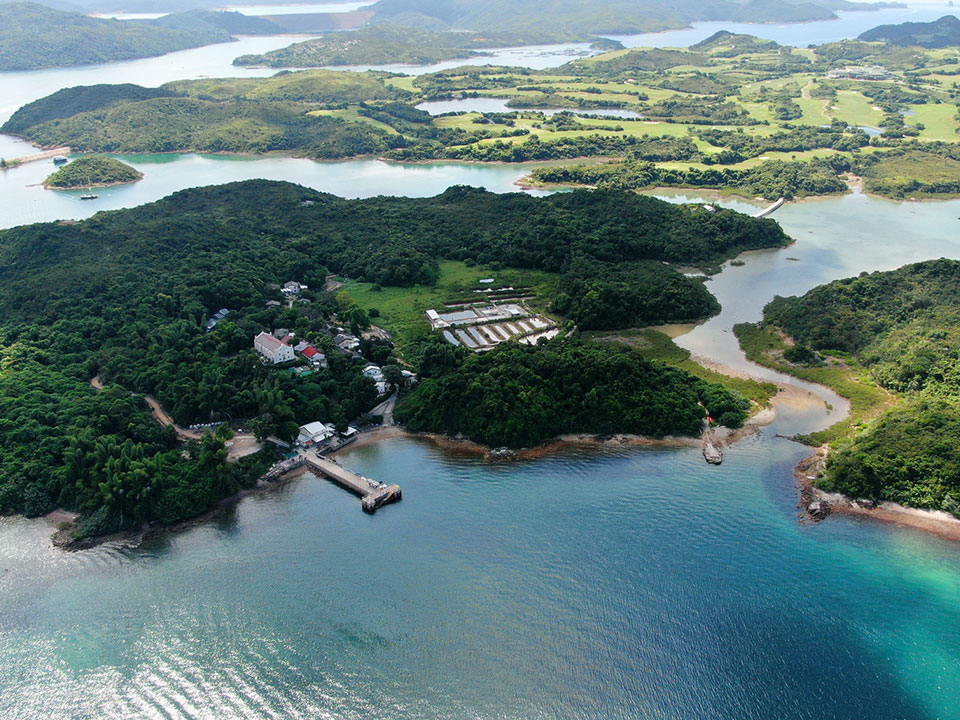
x=633, y=583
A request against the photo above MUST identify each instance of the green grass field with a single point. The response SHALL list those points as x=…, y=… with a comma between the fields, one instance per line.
x=855, y=109
x=402, y=309
x=939, y=121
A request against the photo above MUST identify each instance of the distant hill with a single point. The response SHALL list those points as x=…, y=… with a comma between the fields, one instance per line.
x=554, y=19
x=941, y=33
x=34, y=36
x=387, y=44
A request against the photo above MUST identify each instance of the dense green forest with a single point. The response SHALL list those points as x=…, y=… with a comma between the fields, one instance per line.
x=92, y=170
x=125, y=295
x=941, y=33
x=35, y=36
x=519, y=396
x=903, y=326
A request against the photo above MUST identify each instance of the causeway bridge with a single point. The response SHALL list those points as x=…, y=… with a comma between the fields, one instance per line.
x=39, y=156
x=770, y=210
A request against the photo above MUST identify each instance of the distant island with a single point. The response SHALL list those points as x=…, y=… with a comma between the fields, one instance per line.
x=941, y=33
x=165, y=301
x=887, y=341
x=376, y=45
x=92, y=171
x=34, y=36
x=732, y=113
x=556, y=21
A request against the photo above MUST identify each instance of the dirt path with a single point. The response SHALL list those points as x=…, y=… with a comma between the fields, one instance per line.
x=238, y=447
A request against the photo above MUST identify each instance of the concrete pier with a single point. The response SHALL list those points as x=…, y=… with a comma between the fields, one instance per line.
x=373, y=495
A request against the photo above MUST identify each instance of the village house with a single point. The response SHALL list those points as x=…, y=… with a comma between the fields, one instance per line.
x=272, y=349
x=315, y=433
x=316, y=358
x=374, y=372
x=292, y=288
x=345, y=341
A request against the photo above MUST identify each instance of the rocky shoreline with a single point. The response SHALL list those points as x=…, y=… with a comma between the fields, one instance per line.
x=816, y=505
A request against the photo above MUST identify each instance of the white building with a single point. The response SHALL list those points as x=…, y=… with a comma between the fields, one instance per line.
x=315, y=433
x=272, y=349
x=374, y=372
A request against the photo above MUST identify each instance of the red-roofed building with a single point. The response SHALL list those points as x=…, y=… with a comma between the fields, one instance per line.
x=316, y=357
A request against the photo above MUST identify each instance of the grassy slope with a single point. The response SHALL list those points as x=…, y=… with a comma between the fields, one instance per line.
x=655, y=345
x=868, y=401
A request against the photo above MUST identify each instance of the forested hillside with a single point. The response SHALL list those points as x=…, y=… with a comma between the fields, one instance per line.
x=376, y=45
x=92, y=170
x=903, y=326
x=125, y=295
x=519, y=396
x=941, y=33
x=35, y=36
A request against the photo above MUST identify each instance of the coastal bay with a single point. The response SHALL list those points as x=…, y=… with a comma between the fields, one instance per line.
x=593, y=581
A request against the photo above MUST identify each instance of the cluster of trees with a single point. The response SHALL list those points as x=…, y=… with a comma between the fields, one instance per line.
x=93, y=170
x=35, y=36
x=519, y=396
x=698, y=111
x=771, y=179
x=903, y=326
x=837, y=136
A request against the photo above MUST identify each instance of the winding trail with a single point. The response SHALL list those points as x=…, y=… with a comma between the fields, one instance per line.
x=238, y=447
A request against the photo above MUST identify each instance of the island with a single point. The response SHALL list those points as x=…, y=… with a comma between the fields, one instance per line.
x=92, y=171
x=545, y=21
x=156, y=357
x=888, y=342
x=732, y=113
x=34, y=36
x=377, y=45
x=941, y=33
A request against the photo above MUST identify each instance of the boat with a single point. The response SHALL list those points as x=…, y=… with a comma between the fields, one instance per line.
x=60, y=160
x=89, y=194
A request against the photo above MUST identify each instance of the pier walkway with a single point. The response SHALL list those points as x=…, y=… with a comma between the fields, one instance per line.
x=373, y=494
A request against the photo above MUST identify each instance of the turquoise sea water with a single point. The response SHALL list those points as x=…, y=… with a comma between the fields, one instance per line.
x=615, y=584
x=634, y=583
